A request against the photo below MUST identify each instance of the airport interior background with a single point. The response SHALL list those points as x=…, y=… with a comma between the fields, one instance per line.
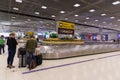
x=78, y=39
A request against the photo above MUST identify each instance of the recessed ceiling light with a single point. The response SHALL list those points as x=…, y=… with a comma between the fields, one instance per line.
x=116, y=3
x=96, y=20
x=41, y=21
x=15, y=8
x=13, y=17
x=76, y=5
x=76, y=15
x=53, y=16
x=76, y=20
x=62, y=12
x=87, y=18
x=44, y=7
x=118, y=20
x=66, y=18
x=92, y=10
x=104, y=22
x=37, y=13
x=29, y=19
x=103, y=14
x=19, y=1
x=112, y=17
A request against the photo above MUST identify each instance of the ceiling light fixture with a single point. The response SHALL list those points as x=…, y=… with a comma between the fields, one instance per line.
x=76, y=20
x=116, y=3
x=66, y=18
x=76, y=5
x=37, y=13
x=41, y=21
x=104, y=22
x=19, y=1
x=103, y=14
x=112, y=17
x=87, y=18
x=13, y=17
x=62, y=12
x=76, y=15
x=118, y=20
x=44, y=7
x=92, y=10
x=15, y=8
x=96, y=20
x=29, y=19
x=53, y=16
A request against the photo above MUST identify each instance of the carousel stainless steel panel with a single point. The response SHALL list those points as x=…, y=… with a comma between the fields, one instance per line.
x=65, y=51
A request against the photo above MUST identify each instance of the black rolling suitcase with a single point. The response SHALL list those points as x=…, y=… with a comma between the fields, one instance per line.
x=38, y=56
x=22, y=57
x=38, y=59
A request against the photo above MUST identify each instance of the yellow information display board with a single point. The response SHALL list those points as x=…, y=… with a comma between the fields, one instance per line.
x=66, y=28
x=66, y=25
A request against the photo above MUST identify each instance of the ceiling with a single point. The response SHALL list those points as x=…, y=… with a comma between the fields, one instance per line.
x=45, y=19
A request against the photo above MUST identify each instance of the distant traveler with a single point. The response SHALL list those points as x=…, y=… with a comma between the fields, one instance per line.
x=31, y=45
x=2, y=43
x=12, y=43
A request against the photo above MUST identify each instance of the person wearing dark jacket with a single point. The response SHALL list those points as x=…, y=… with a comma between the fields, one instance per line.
x=12, y=43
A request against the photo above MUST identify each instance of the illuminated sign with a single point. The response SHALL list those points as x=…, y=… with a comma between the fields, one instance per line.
x=66, y=25
x=65, y=28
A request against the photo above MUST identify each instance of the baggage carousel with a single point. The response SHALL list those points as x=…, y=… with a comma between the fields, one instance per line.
x=60, y=51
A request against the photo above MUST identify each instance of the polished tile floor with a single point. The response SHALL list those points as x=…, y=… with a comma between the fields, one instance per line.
x=93, y=67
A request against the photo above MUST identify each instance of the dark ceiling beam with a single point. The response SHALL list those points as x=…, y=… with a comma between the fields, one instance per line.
x=22, y=14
